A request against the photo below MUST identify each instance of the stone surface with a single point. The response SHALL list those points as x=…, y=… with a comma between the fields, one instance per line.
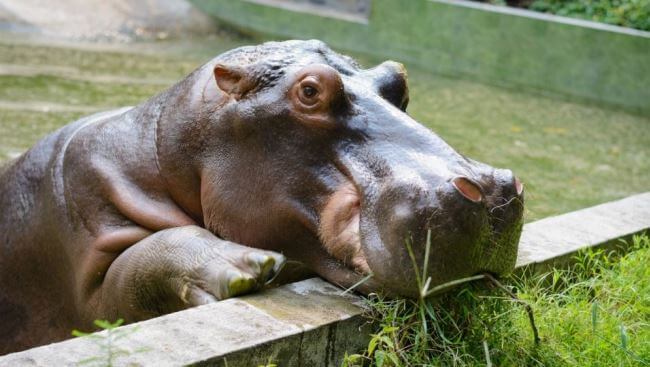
x=104, y=20
x=305, y=323
x=554, y=239
x=310, y=323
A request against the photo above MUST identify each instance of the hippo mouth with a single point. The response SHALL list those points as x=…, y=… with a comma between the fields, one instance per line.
x=339, y=229
x=474, y=235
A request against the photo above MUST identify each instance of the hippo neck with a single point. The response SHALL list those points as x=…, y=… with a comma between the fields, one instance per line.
x=177, y=142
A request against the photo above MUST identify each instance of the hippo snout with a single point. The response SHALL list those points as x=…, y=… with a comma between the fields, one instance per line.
x=471, y=223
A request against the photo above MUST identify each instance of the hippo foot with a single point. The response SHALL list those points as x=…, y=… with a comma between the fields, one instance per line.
x=235, y=271
x=183, y=267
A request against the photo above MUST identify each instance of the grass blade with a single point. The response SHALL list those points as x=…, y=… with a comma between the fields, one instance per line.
x=594, y=316
x=623, y=338
x=486, y=349
x=452, y=283
x=363, y=280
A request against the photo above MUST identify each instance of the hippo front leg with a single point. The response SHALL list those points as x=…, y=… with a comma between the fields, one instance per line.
x=182, y=267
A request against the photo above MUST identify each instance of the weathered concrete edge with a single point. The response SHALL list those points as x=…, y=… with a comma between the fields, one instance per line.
x=245, y=331
x=555, y=240
x=309, y=323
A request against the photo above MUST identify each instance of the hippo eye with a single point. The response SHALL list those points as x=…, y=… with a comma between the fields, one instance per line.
x=309, y=93
x=317, y=96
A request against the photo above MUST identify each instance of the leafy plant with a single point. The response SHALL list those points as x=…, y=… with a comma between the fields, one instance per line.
x=626, y=13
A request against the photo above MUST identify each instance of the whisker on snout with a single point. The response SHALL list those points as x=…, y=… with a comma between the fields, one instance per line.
x=504, y=204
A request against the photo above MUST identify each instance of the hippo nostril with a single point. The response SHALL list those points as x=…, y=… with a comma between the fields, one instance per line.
x=519, y=186
x=468, y=189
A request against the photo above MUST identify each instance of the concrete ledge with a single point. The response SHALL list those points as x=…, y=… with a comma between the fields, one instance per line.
x=309, y=323
x=553, y=241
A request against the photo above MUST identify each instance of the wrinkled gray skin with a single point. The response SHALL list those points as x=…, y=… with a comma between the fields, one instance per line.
x=279, y=150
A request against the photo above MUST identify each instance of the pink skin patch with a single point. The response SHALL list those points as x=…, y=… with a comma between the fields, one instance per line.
x=519, y=186
x=468, y=189
x=339, y=228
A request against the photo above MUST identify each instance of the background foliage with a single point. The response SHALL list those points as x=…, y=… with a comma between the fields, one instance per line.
x=625, y=13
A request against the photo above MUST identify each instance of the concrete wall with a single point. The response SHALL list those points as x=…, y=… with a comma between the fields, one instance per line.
x=585, y=60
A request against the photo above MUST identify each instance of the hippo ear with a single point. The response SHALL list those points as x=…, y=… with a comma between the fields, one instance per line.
x=233, y=80
x=392, y=81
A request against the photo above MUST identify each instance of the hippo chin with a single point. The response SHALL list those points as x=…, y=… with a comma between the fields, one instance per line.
x=279, y=150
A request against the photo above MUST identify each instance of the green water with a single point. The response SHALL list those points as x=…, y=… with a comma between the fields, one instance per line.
x=569, y=155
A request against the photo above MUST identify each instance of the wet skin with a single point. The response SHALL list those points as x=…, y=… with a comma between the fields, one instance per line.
x=283, y=150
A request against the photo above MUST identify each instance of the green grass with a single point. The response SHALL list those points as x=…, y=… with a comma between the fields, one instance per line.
x=45, y=88
x=20, y=129
x=569, y=155
x=140, y=60
x=595, y=313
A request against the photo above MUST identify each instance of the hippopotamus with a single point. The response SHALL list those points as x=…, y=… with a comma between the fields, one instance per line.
x=284, y=150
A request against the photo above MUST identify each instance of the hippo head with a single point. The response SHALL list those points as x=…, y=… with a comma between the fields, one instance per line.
x=304, y=152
